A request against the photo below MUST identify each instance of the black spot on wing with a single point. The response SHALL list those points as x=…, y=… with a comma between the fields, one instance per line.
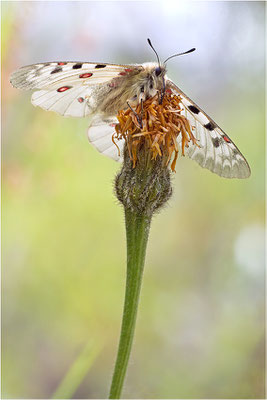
x=194, y=109
x=216, y=142
x=210, y=126
x=57, y=69
x=77, y=66
x=100, y=66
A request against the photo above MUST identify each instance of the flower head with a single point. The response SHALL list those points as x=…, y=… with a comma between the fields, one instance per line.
x=160, y=128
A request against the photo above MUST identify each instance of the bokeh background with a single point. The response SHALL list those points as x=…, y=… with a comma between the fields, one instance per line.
x=200, y=328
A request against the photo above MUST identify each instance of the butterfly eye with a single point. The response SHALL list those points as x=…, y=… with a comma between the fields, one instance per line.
x=158, y=71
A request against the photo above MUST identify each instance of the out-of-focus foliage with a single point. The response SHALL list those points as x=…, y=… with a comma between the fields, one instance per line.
x=200, y=329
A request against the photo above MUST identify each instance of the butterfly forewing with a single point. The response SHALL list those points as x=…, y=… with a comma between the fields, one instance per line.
x=68, y=88
x=216, y=150
x=51, y=75
x=73, y=102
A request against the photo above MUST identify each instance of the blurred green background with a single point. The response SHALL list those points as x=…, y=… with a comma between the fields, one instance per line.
x=200, y=328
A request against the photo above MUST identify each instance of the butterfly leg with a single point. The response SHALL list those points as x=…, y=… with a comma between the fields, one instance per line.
x=159, y=96
x=138, y=117
x=162, y=91
x=142, y=109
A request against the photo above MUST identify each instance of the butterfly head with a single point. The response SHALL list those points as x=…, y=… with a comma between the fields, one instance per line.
x=152, y=80
x=160, y=69
x=160, y=74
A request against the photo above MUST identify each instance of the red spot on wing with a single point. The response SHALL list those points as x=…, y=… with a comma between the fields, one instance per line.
x=86, y=75
x=80, y=99
x=126, y=71
x=226, y=139
x=63, y=88
x=61, y=63
x=169, y=91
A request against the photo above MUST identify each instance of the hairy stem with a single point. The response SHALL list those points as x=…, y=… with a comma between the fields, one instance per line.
x=137, y=231
x=142, y=191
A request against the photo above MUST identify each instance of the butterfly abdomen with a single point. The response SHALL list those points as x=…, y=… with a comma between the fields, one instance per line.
x=115, y=95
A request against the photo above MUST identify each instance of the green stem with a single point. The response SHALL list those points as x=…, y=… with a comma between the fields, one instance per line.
x=137, y=231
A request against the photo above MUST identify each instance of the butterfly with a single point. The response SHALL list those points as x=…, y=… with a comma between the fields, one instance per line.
x=99, y=91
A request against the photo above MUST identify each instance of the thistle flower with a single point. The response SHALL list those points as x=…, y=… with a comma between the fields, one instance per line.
x=150, y=133
x=162, y=123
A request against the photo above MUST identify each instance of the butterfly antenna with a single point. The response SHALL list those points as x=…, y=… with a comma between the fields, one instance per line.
x=179, y=54
x=150, y=44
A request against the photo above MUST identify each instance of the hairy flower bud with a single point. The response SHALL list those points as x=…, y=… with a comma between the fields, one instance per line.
x=145, y=188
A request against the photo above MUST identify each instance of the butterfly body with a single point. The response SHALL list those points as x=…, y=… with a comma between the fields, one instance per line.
x=135, y=84
x=97, y=90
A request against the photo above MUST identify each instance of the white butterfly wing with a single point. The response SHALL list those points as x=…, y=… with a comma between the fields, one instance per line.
x=217, y=152
x=100, y=134
x=55, y=74
x=74, y=102
x=68, y=88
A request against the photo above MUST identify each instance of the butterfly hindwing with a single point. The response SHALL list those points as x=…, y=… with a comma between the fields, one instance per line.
x=100, y=134
x=216, y=150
